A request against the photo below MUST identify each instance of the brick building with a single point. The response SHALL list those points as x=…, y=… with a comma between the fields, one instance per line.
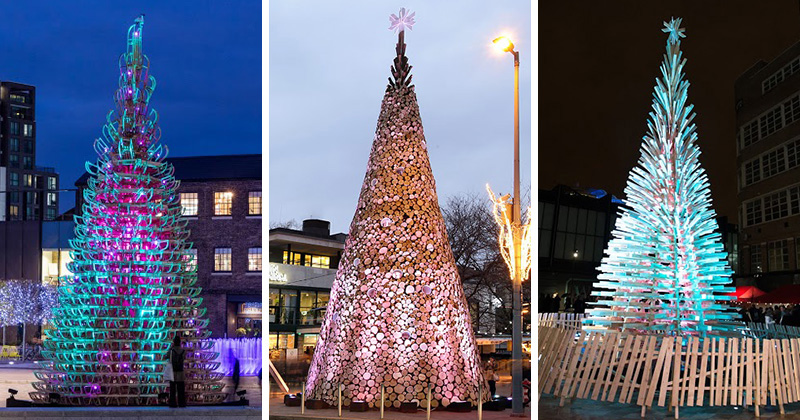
x=221, y=197
x=768, y=161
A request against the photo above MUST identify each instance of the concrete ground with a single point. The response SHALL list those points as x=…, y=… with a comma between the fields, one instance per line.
x=278, y=411
x=20, y=377
x=579, y=409
x=142, y=413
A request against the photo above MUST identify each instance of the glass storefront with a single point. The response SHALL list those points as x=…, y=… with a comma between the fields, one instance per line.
x=54, y=265
x=248, y=319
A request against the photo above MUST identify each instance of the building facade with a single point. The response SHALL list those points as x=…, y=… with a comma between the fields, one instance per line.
x=222, y=199
x=575, y=225
x=28, y=191
x=302, y=267
x=768, y=161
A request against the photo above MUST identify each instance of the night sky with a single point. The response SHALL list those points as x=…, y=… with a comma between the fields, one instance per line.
x=597, y=67
x=205, y=56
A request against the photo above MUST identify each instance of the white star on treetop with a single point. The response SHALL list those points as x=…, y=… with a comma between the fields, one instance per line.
x=674, y=30
x=405, y=20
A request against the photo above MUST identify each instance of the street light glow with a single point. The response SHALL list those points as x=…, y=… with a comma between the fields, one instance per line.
x=503, y=44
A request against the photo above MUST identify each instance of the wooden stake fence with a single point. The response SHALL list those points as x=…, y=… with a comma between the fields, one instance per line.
x=676, y=372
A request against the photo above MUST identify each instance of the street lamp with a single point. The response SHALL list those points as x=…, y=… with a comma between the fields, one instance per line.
x=517, y=407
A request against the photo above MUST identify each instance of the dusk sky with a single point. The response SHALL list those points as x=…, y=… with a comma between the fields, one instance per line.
x=598, y=62
x=329, y=64
x=205, y=56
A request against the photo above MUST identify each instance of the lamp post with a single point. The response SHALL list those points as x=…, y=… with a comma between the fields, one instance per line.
x=517, y=407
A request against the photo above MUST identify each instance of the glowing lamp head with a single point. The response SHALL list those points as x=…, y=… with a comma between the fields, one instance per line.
x=503, y=44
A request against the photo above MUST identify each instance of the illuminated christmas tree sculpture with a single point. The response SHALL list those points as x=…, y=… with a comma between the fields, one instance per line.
x=397, y=314
x=133, y=284
x=665, y=269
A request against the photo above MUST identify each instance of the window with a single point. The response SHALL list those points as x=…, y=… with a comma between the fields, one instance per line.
x=27, y=180
x=254, y=259
x=771, y=122
x=752, y=171
x=27, y=130
x=773, y=162
x=15, y=97
x=320, y=261
x=792, y=152
x=750, y=133
x=13, y=212
x=189, y=204
x=13, y=160
x=51, y=183
x=28, y=146
x=755, y=258
x=222, y=203
x=50, y=213
x=753, y=212
x=51, y=199
x=27, y=162
x=791, y=109
x=222, y=259
x=13, y=196
x=308, y=260
x=31, y=213
x=778, y=255
x=794, y=200
x=191, y=260
x=31, y=197
x=775, y=206
x=293, y=258
x=15, y=128
x=13, y=144
x=14, y=179
x=779, y=76
x=254, y=202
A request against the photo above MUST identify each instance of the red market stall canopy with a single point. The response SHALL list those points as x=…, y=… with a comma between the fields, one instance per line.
x=784, y=294
x=747, y=292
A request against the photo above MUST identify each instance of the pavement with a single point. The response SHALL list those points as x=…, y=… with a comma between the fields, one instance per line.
x=278, y=411
x=136, y=413
x=580, y=409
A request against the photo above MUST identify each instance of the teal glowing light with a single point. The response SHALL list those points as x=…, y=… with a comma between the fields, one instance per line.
x=665, y=270
x=134, y=283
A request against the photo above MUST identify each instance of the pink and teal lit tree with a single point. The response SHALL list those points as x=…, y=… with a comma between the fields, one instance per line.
x=133, y=286
x=665, y=270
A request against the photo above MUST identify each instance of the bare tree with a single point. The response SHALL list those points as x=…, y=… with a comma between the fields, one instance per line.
x=286, y=224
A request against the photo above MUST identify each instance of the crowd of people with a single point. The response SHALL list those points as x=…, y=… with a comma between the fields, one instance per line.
x=568, y=302
x=778, y=314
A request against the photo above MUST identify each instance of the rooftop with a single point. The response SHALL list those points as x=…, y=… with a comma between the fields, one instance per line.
x=206, y=168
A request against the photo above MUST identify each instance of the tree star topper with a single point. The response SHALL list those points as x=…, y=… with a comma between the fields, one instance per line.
x=674, y=30
x=405, y=20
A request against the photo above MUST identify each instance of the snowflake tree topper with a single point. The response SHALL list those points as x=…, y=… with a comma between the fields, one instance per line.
x=673, y=28
x=400, y=23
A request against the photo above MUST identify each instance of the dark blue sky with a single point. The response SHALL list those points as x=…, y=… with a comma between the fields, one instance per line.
x=205, y=56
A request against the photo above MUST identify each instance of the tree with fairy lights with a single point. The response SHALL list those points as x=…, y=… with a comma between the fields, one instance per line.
x=133, y=287
x=665, y=270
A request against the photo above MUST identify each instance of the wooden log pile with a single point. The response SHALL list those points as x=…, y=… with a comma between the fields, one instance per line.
x=397, y=314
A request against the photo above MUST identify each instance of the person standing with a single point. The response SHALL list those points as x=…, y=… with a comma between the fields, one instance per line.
x=177, y=385
x=491, y=375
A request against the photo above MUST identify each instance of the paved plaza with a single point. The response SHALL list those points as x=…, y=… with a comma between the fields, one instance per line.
x=579, y=409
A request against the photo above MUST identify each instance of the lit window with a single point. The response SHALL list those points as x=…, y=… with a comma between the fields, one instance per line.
x=191, y=260
x=222, y=259
x=254, y=202
x=222, y=203
x=27, y=180
x=292, y=258
x=189, y=204
x=254, y=259
x=319, y=261
x=27, y=130
x=14, y=179
x=51, y=199
x=13, y=212
x=13, y=144
x=51, y=183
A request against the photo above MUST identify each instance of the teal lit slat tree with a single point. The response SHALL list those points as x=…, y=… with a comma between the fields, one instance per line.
x=665, y=269
x=133, y=286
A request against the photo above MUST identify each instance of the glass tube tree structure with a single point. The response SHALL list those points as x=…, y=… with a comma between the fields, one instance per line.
x=397, y=314
x=665, y=269
x=133, y=286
